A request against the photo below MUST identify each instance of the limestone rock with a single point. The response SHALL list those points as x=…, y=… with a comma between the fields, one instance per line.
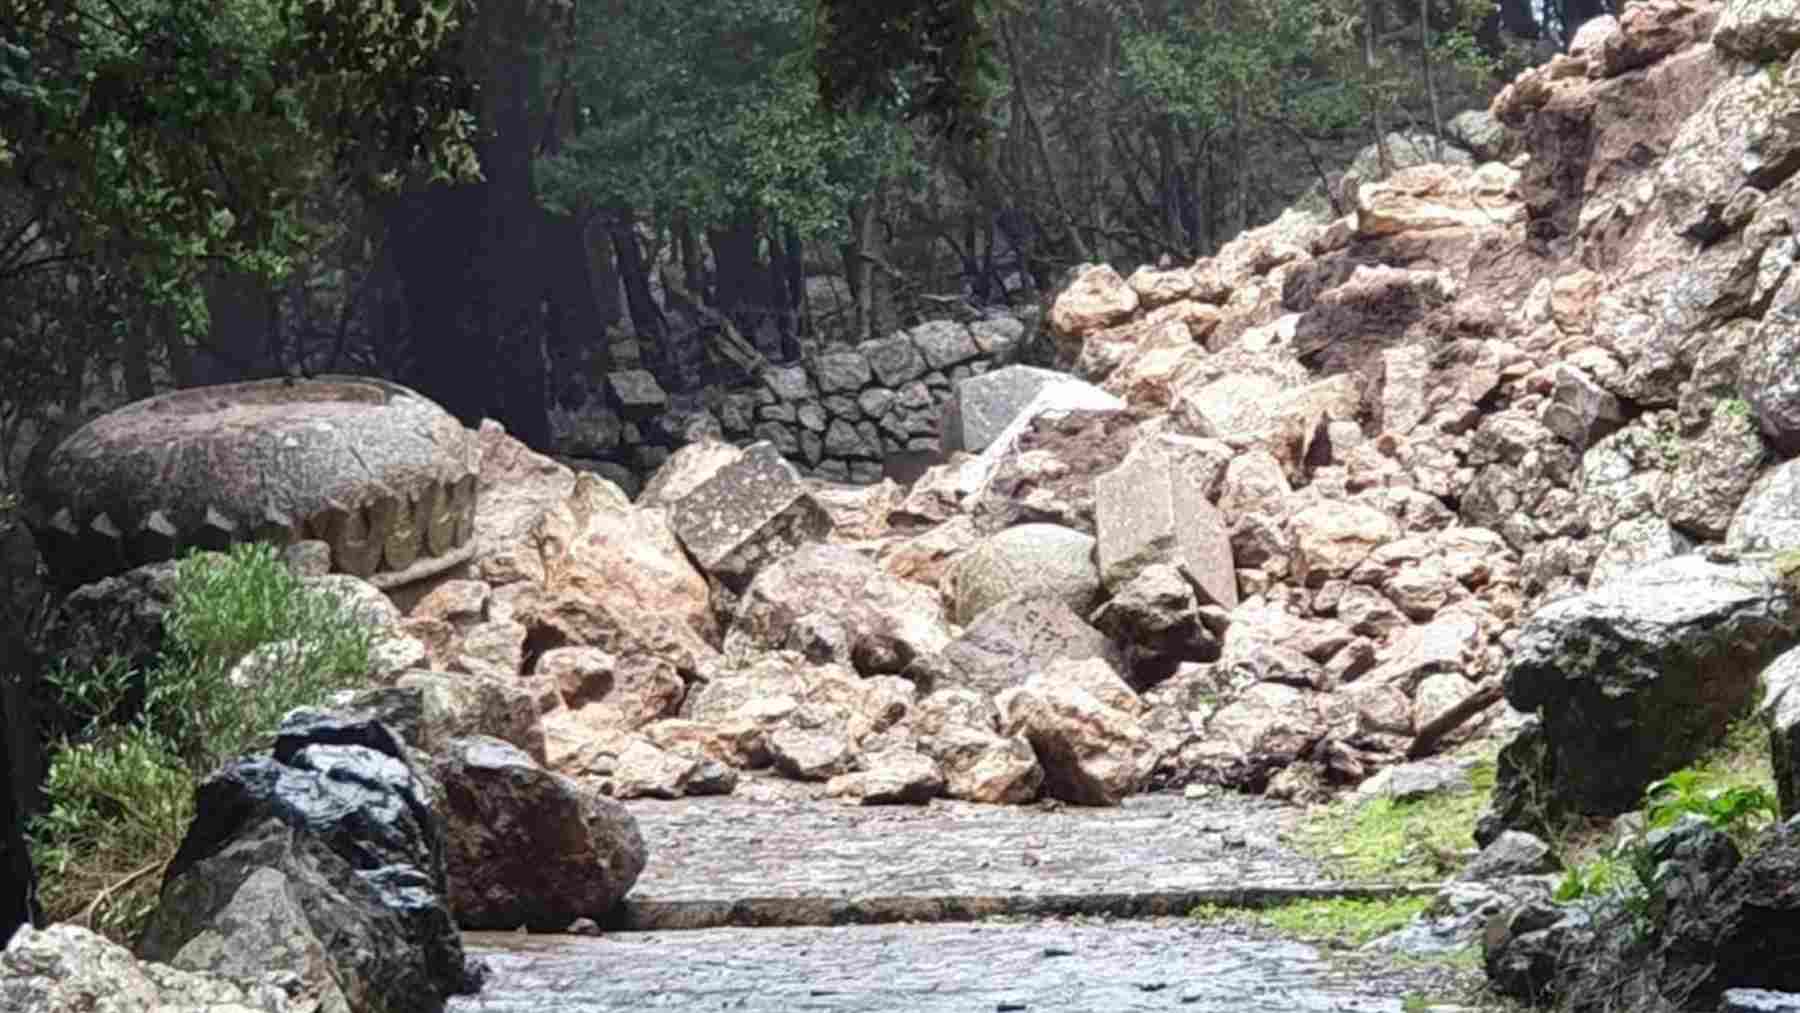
x=1330, y=539
x=67, y=969
x=1040, y=560
x=1768, y=519
x=685, y=470
x=527, y=847
x=1150, y=512
x=605, y=691
x=749, y=514
x=1092, y=753
x=1096, y=297
x=1757, y=30
x=982, y=406
x=880, y=622
x=1016, y=639
x=890, y=777
x=809, y=755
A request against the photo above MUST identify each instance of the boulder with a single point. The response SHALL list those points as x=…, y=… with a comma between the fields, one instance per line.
x=604, y=691
x=1635, y=679
x=1435, y=196
x=1149, y=511
x=1330, y=539
x=747, y=515
x=1016, y=639
x=1768, y=519
x=1731, y=922
x=981, y=407
x=525, y=847
x=428, y=709
x=890, y=777
x=1047, y=477
x=1159, y=621
x=877, y=622
x=1757, y=30
x=1095, y=297
x=1038, y=560
x=685, y=470
x=323, y=859
x=1092, y=753
x=1781, y=714
x=1770, y=375
x=1052, y=402
x=1264, y=729
x=944, y=343
x=67, y=969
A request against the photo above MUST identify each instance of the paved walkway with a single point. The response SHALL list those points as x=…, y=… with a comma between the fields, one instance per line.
x=952, y=968
x=725, y=861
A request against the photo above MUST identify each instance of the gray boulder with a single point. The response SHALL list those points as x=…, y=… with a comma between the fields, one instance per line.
x=1758, y=30
x=324, y=859
x=1151, y=511
x=1635, y=679
x=1769, y=516
x=529, y=847
x=1771, y=372
x=982, y=406
x=1018, y=638
x=748, y=514
x=1041, y=560
x=68, y=969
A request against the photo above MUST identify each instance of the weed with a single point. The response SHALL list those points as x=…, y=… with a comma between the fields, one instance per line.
x=1343, y=920
x=1411, y=841
x=120, y=787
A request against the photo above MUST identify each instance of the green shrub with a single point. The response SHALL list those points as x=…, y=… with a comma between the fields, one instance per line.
x=120, y=788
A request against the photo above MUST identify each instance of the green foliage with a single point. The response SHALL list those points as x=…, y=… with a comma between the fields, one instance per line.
x=1344, y=920
x=173, y=137
x=925, y=58
x=1738, y=810
x=1414, y=841
x=713, y=109
x=121, y=788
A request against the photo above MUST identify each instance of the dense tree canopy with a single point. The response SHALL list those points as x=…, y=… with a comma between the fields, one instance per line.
x=491, y=198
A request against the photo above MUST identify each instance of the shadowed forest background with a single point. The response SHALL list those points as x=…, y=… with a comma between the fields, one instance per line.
x=495, y=201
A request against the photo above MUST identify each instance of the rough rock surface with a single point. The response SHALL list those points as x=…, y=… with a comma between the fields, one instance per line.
x=524, y=846
x=1635, y=679
x=323, y=859
x=68, y=969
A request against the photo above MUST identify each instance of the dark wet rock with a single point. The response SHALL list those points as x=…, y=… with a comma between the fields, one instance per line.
x=120, y=616
x=1525, y=950
x=1457, y=916
x=1735, y=924
x=529, y=847
x=1016, y=639
x=324, y=859
x=1636, y=678
x=1513, y=853
x=1516, y=802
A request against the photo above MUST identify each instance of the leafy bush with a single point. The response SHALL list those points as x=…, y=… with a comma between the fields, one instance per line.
x=121, y=787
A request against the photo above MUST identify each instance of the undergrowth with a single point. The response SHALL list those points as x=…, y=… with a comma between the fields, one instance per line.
x=1339, y=920
x=120, y=786
x=1420, y=840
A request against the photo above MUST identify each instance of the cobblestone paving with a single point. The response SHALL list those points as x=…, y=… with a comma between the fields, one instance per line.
x=729, y=861
x=1038, y=965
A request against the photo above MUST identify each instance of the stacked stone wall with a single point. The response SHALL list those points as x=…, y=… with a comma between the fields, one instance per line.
x=843, y=414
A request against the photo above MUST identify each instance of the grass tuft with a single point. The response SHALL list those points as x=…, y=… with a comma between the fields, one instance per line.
x=120, y=787
x=1406, y=842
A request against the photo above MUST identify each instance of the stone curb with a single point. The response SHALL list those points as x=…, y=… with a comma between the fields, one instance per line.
x=794, y=912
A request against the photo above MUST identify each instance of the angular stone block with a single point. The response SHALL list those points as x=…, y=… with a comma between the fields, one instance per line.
x=1149, y=511
x=748, y=514
x=634, y=394
x=982, y=406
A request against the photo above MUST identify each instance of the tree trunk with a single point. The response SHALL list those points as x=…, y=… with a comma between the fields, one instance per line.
x=646, y=317
x=1385, y=158
x=1437, y=117
x=693, y=266
x=859, y=270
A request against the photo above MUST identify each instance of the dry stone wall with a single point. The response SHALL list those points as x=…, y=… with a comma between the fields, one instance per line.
x=843, y=414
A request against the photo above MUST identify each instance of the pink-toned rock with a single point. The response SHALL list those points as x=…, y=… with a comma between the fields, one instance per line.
x=1092, y=754
x=1148, y=511
x=735, y=743
x=612, y=692
x=495, y=648
x=1436, y=196
x=1156, y=287
x=1330, y=539
x=686, y=470
x=890, y=777
x=461, y=603
x=1097, y=297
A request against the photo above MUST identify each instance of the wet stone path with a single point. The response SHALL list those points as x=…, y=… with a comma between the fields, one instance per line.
x=767, y=903
x=1169, y=964
x=729, y=861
